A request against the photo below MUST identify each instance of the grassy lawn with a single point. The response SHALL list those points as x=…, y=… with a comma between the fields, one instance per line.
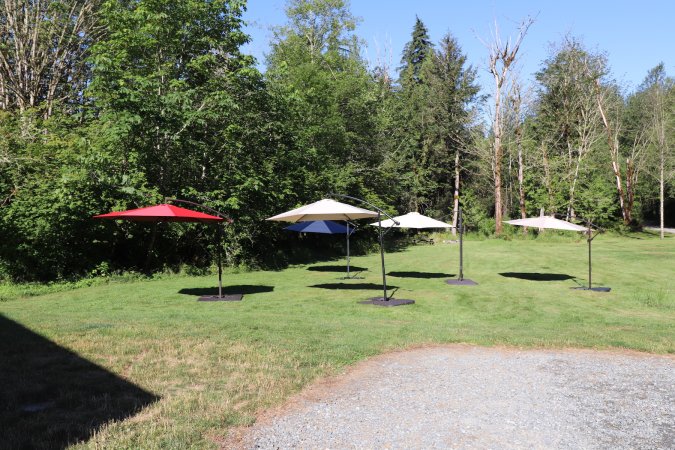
x=201, y=368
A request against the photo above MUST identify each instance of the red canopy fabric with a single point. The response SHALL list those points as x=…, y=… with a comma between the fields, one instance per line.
x=161, y=213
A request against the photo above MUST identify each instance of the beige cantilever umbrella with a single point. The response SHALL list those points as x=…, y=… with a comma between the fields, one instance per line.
x=328, y=209
x=557, y=224
x=413, y=220
x=547, y=222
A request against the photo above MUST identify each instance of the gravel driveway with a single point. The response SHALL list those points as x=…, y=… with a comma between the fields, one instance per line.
x=474, y=397
x=658, y=229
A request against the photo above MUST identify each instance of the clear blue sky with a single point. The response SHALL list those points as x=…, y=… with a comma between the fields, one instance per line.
x=635, y=35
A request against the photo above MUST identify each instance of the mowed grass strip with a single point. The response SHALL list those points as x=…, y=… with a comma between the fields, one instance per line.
x=202, y=368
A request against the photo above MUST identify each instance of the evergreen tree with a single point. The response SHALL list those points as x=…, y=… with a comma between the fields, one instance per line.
x=415, y=53
x=434, y=113
x=449, y=112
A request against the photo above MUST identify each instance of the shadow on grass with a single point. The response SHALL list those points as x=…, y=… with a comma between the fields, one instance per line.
x=228, y=290
x=352, y=286
x=51, y=397
x=536, y=276
x=336, y=269
x=414, y=274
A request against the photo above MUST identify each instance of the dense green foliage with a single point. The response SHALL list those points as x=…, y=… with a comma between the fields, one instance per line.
x=153, y=99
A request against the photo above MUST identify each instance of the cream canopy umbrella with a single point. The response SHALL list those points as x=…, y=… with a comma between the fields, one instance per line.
x=557, y=224
x=326, y=209
x=329, y=209
x=412, y=220
x=547, y=222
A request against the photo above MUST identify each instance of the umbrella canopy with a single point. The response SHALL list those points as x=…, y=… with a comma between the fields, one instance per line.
x=413, y=220
x=325, y=209
x=161, y=213
x=547, y=222
x=320, y=226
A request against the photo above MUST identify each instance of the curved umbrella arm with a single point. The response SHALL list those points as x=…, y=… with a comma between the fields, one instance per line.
x=365, y=203
x=188, y=202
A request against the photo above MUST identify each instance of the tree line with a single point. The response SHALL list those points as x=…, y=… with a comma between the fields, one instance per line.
x=116, y=104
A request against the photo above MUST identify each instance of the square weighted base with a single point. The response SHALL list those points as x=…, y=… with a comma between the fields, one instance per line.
x=596, y=289
x=464, y=282
x=224, y=298
x=380, y=301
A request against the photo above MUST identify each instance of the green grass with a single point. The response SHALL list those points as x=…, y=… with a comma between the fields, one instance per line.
x=213, y=366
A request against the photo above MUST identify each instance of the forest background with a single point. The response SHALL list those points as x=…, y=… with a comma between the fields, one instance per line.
x=115, y=104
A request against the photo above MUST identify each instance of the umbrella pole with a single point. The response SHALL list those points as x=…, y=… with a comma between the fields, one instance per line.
x=461, y=246
x=460, y=277
x=384, y=277
x=348, y=276
x=589, y=255
x=220, y=262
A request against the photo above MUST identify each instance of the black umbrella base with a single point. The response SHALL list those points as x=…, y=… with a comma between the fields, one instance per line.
x=221, y=298
x=352, y=278
x=463, y=282
x=380, y=301
x=596, y=289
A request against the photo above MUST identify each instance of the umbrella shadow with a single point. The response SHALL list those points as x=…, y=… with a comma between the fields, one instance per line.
x=336, y=268
x=228, y=290
x=415, y=274
x=51, y=397
x=537, y=276
x=351, y=286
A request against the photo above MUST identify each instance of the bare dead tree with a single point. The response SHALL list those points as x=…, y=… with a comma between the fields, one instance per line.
x=516, y=102
x=612, y=124
x=660, y=129
x=383, y=64
x=502, y=56
x=43, y=45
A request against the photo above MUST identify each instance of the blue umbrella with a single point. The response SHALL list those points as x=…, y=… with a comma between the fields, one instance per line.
x=325, y=227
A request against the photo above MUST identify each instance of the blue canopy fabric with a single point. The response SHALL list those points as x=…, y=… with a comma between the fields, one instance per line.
x=325, y=227
x=320, y=226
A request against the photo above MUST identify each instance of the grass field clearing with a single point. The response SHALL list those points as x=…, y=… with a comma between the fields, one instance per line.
x=201, y=368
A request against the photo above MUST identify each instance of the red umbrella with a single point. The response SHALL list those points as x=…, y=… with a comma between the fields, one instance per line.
x=161, y=213
x=171, y=213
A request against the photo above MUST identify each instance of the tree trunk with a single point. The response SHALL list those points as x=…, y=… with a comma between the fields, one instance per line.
x=497, y=149
x=613, y=144
x=502, y=56
x=521, y=188
x=547, y=176
x=570, y=204
x=630, y=188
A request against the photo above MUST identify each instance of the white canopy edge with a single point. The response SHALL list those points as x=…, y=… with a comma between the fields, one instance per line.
x=549, y=222
x=413, y=220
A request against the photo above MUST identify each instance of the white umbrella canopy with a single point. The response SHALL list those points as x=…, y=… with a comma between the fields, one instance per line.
x=547, y=222
x=325, y=209
x=413, y=220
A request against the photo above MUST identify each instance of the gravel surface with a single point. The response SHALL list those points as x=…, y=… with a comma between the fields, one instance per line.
x=658, y=229
x=474, y=397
